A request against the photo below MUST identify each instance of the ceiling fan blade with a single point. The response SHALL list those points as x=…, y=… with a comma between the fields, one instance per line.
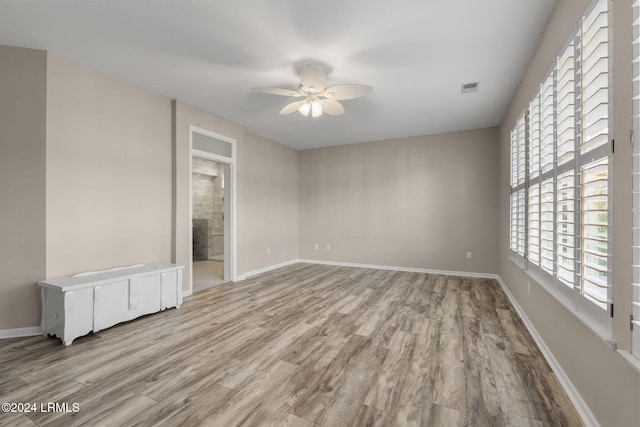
x=279, y=91
x=291, y=108
x=342, y=92
x=332, y=107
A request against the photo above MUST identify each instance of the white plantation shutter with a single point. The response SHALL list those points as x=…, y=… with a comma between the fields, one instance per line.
x=522, y=177
x=635, y=302
x=534, y=137
x=513, y=230
x=547, y=166
x=547, y=102
x=518, y=190
x=534, y=224
x=534, y=179
x=635, y=284
x=595, y=221
x=595, y=78
x=566, y=134
x=547, y=215
x=566, y=184
x=593, y=157
x=566, y=229
x=513, y=216
x=565, y=188
x=521, y=221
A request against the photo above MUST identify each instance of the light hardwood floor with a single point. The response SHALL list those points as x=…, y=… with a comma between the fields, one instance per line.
x=302, y=345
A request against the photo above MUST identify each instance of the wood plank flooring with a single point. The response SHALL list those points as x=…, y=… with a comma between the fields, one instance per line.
x=300, y=346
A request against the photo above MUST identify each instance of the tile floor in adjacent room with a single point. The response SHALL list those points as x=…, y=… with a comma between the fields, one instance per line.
x=207, y=274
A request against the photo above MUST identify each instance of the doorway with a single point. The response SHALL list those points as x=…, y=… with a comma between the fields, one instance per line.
x=207, y=210
x=211, y=209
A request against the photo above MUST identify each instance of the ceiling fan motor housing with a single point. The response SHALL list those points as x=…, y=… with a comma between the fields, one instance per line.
x=312, y=79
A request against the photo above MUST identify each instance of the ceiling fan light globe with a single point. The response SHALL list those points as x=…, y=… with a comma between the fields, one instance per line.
x=316, y=109
x=305, y=108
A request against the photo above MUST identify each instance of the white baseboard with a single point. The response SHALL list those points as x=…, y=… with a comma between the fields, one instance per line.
x=581, y=406
x=397, y=268
x=20, y=332
x=265, y=270
x=374, y=266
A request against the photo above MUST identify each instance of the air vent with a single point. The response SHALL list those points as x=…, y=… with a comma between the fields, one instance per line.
x=469, y=87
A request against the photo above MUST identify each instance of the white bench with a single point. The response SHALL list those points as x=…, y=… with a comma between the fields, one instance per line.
x=76, y=305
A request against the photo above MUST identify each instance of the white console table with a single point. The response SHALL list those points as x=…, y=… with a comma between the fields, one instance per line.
x=76, y=305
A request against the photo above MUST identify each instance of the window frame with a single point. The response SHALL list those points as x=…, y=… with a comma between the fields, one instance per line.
x=518, y=196
x=575, y=297
x=635, y=177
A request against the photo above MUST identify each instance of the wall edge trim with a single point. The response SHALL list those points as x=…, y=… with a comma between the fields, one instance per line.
x=398, y=268
x=266, y=269
x=360, y=265
x=20, y=332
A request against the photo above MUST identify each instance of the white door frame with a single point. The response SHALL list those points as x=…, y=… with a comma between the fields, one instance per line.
x=231, y=256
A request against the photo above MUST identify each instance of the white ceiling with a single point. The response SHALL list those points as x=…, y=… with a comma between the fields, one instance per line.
x=415, y=54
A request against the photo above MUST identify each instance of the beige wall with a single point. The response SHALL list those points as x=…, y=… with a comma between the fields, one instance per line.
x=269, y=195
x=608, y=384
x=87, y=165
x=419, y=202
x=22, y=184
x=109, y=172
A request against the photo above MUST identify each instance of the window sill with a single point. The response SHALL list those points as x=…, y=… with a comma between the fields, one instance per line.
x=631, y=359
x=568, y=305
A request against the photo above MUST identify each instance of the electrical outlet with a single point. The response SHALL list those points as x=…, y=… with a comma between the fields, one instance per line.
x=469, y=255
x=317, y=246
x=268, y=251
x=328, y=247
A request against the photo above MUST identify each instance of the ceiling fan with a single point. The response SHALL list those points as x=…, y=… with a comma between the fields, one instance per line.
x=318, y=98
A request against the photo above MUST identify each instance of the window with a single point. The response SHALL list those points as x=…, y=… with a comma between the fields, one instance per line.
x=547, y=159
x=566, y=235
x=635, y=284
x=566, y=151
x=534, y=187
x=518, y=180
x=541, y=176
x=565, y=181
